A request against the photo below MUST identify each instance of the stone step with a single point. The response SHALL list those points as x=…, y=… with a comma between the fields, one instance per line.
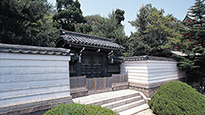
x=95, y=97
x=145, y=112
x=121, y=102
x=110, y=99
x=125, y=102
x=135, y=110
x=128, y=106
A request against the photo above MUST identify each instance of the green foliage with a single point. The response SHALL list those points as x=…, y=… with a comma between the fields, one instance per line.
x=110, y=27
x=106, y=27
x=195, y=85
x=174, y=39
x=177, y=98
x=119, y=15
x=101, y=26
x=97, y=110
x=83, y=28
x=194, y=32
x=78, y=109
x=193, y=64
x=70, y=109
x=198, y=10
x=69, y=14
x=153, y=32
x=26, y=22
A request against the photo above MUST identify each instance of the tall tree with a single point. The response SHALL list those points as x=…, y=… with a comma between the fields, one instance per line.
x=153, y=30
x=138, y=39
x=119, y=15
x=194, y=32
x=24, y=22
x=109, y=27
x=69, y=14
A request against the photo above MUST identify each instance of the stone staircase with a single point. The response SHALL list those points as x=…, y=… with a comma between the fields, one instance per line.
x=123, y=102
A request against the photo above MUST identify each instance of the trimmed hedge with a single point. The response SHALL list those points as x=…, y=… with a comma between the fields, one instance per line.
x=78, y=109
x=177, y=98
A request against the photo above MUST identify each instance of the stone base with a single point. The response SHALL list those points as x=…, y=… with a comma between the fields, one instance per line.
x=148, y=92
x=78, y=92
x=120, y=86
x=115, y=87
x=34, y=108
x=150, y=89
x=103, y=90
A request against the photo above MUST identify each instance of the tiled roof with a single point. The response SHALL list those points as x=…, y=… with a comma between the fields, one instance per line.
x=88, y=40
x=138, y=58
x=187, y=18
x=113, y=59
x=8, y=48
x=178, y=53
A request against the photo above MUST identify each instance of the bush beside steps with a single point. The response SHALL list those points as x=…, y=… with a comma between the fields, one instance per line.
x=79, y=109
x=177, y=98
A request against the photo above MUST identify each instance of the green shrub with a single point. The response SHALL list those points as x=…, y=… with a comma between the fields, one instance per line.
x=78, y=109
x=177, y=98
x=195, y=85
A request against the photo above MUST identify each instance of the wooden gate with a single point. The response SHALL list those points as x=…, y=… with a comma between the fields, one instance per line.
x=91, y=66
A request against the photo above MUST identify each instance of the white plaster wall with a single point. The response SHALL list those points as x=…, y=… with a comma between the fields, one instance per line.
x=151, y=71
x=29, y=78
x=137, y=71
x=162, y=71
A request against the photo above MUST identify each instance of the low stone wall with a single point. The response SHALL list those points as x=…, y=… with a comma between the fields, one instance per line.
x=32, y=78
x=148, y=73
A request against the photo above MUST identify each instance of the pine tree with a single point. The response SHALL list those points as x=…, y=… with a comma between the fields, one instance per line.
x=69, y=14
x=110, y=27
x=119, y=15
x=194, y=32
x=138, y=39
x=153, y=31
x=24, y=22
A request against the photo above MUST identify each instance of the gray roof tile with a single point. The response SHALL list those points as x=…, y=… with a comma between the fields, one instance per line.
x=138, y=58
x=82, y=39
x=10, y=48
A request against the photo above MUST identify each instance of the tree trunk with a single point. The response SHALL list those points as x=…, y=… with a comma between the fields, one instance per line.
x=202, y=87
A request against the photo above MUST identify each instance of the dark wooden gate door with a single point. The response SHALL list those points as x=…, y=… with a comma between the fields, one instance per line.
x=91, y=66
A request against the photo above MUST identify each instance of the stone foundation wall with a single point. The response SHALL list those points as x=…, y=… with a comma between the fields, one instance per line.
x=148, y=92
x=151, y=89
x=34, y=108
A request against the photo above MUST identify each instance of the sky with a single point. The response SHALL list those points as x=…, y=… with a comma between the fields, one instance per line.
x=178, y=8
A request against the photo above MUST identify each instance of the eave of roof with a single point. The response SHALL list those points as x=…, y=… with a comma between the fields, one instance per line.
x=88, y=40
x=8, y=48
x=138, y=58
x=187, y=18
x=178, y=53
